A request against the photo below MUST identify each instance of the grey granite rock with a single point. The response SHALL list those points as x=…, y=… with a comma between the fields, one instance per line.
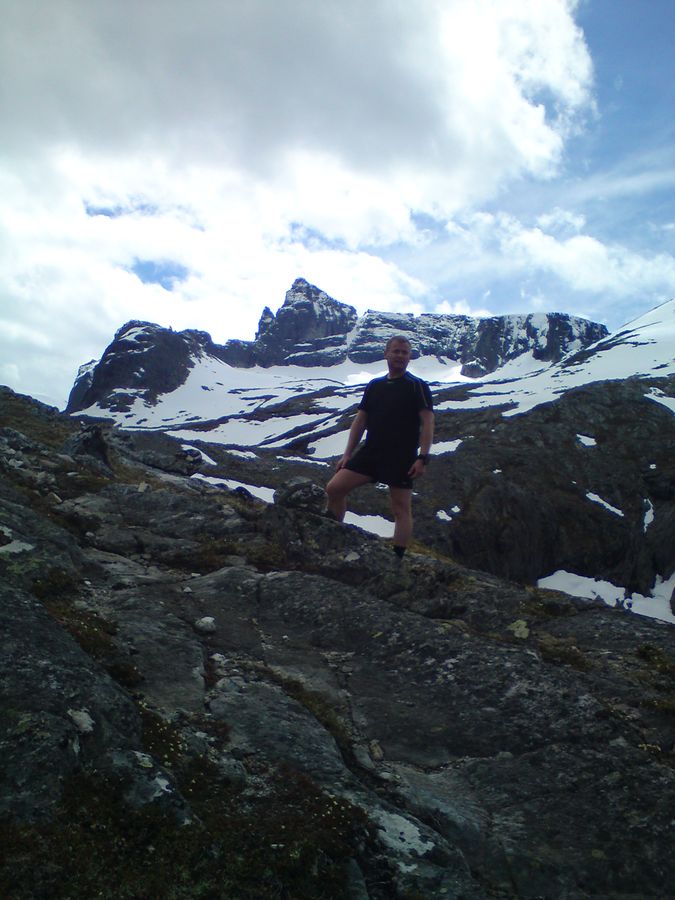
x=493, y=739
x=301, y=493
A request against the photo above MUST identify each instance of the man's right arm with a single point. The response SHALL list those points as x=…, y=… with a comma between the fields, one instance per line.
x=355, y=434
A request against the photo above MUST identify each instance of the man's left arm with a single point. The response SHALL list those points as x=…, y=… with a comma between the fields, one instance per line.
x=426, y=439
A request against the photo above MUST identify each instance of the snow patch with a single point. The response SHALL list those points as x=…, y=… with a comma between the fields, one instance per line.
x=244, y=454
x=374, y=524
x=302, y=459
x=649, y=515
x=329, y=446
x=659, y=397
x=597, y=499
x=446, y=447
x=205, y=457
x=656, y=605
x=445, y=516
x=258, y=491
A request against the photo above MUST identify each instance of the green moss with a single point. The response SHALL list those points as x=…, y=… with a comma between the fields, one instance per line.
x=54, y=583
x=209, y=556
x=95, y=635
x=546, y=604
x=657, y=674
x=563, y=650
x=74, y=481
x=162, y=739
x=38, y=422
x=92, y=632
x=320, y=706
x=268, y=556
x=665, y=704
x=21, y=569
x=416, y=546
x=291, y=842
x=658, y=660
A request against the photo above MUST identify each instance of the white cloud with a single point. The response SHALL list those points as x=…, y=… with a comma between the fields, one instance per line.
x=9, y=372
x=586, y=264
x=439, y=101
x=561, y=220
x=460, y=308
x=252, y=143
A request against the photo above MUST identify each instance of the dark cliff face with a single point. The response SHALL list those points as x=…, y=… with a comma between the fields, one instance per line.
x=141, y=356
x=198, y=688
x=521, y=487
x=313, y=329
x=307, y=318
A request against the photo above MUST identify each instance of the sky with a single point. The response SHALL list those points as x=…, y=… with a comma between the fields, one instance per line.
x=183, y=162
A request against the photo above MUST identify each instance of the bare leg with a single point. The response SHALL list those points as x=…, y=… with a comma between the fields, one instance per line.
x=401, y=506
x=340, y=485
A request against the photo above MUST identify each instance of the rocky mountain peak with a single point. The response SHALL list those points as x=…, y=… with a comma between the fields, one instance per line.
x=142, y=357
x=307, y=316
x=313, y=329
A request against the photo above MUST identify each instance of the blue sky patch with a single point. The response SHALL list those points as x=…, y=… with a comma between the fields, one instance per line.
x=114, y=212
x=164, y=272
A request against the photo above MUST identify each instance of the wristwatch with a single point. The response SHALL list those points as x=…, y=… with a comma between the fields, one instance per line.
x=424, y=457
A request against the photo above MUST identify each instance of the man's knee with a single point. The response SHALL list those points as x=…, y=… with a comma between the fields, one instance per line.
x=333, y=491
x=401, y=502
x=343, y=482
x=339, y=485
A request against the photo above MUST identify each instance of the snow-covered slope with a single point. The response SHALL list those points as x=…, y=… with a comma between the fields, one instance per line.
x=314, y=336
x=260, y=406
x=644, y=348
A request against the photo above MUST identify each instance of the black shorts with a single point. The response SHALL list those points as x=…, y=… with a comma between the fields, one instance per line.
x=389, y=469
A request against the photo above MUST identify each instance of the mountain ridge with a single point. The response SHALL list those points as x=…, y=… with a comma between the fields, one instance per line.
x=311, y=329
x=540, y=471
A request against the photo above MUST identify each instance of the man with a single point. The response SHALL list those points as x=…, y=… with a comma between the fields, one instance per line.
x=396, y=413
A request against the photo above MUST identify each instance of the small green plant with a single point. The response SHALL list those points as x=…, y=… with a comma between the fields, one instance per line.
x=546, y=604
x=658, y=675
x=657, y=659
x=92, y=632
x=291, y=840
x=563, y=650
x=54, y=583
x=161, y=739
x=37, y=422
x=319, y=706
x=209, y=556
x=95, y=635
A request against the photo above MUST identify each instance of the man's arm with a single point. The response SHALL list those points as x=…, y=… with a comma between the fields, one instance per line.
x=426, y=440
x=355, y=434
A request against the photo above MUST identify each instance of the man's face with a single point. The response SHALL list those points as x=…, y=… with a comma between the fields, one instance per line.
x=398, y=357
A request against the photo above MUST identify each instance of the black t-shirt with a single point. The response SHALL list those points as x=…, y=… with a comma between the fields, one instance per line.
x=393, y=407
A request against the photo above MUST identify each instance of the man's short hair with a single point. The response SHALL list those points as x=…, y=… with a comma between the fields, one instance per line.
x=396, y=339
